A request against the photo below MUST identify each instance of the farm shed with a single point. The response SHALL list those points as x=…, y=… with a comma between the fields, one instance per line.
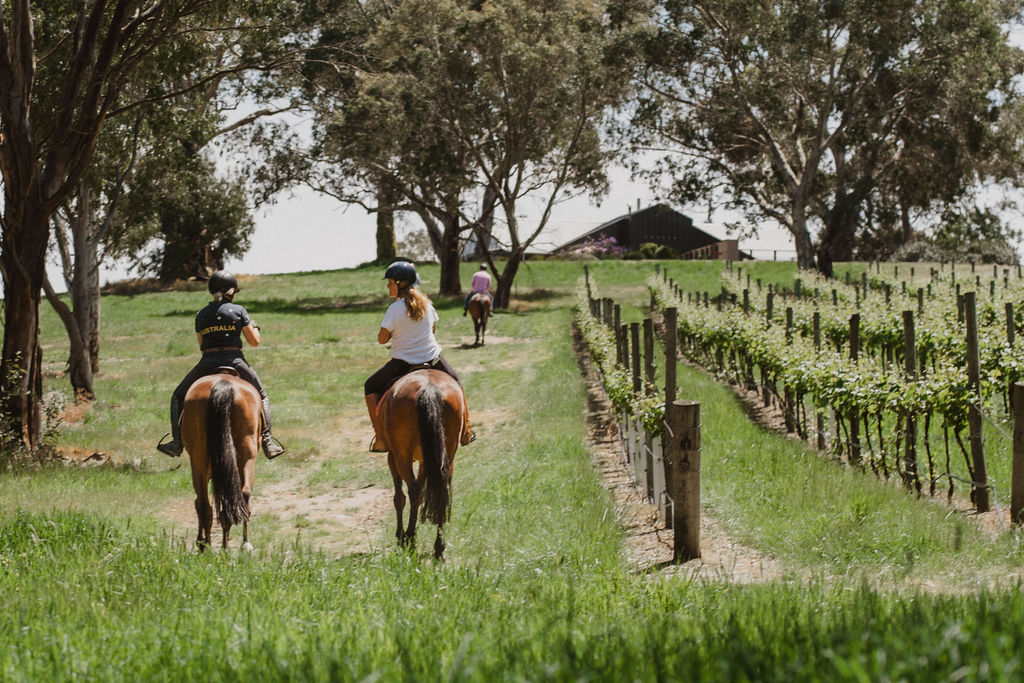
x=661, y=224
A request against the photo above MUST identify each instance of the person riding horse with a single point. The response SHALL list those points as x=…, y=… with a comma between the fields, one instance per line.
x=220, y=326
x=409, y=325
x=481, y=284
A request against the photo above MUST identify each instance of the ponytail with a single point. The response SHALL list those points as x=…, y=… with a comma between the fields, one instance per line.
x=415, y=301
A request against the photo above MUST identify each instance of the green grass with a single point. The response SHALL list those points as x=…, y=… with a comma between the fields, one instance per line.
x=97, y=584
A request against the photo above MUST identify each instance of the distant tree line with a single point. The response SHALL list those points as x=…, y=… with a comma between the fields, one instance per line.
x=859, y=126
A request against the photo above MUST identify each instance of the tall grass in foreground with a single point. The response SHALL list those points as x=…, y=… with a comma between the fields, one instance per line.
x=85, y=600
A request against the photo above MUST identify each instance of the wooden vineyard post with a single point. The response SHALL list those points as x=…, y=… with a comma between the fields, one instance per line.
x=910, y=367
x=682, y=476
x=671, y=333
x=634, y=338
x=648, y=353
x=1009, y=324
x=819, y=419
x=979, y=487
x=1017, y=480
x=854, y=451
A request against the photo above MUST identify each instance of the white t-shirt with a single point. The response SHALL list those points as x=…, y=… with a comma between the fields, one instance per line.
x=411, y=340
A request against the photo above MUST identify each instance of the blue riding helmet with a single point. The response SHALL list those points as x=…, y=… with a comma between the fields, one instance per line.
x=402, y=271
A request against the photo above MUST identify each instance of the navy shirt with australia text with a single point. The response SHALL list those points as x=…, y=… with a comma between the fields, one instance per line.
x=220, y=324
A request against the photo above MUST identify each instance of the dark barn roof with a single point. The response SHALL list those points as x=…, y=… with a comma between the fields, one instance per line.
x=660, y=224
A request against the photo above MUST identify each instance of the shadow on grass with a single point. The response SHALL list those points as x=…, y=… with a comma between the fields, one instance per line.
x=309, y=306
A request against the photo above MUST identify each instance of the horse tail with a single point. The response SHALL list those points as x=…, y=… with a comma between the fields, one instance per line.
x=220, y=449
x=437, y=496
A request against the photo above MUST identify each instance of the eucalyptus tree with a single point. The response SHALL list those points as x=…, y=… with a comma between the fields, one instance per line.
x=464, y=109
x=544, y=78
x=798, y=111
x=68, y=67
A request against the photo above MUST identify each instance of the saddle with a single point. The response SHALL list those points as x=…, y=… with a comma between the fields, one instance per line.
x=429, y=365
x=226, y=370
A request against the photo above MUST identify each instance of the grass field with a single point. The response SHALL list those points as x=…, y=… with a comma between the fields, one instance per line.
x=99, y=581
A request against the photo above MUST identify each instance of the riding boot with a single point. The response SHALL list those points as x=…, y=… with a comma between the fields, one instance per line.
x=173, y=447
x=468, y=436
x=271, y=447
x=377, y=446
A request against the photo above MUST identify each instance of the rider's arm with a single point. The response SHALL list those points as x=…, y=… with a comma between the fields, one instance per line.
x=384, y=336
x=252, y=334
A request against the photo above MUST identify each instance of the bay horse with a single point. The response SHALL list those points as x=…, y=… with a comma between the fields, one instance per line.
x=480, y=310
x=220, y=429
x=422, y=416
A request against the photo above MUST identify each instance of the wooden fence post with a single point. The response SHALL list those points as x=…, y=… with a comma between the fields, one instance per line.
x=634, y=338
x=819, y=419
x=671, y=333
x=910, y=367
x=854, y=449
x=649, y=353
x=1017, y=480
x=1010, y=327
x=979, y=487
x=682, y=476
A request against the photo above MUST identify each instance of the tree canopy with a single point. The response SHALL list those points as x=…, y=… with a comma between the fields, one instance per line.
x=803, y=111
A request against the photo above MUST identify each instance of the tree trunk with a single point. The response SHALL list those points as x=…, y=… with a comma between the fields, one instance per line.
x=386, y=247
x=81, y=275
x=503, y=293
x=80, y=372
x=450, y=259
x=23, y=261
x=802, y=238
x=906, y=231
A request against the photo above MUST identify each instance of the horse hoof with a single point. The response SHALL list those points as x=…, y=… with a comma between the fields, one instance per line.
x=247, y=547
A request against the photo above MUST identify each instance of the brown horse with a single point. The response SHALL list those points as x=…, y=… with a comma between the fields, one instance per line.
x=422, y=416
x=480, y=310
x=220, y=428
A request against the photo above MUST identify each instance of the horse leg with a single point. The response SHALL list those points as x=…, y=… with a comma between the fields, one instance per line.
x=439, y=544
x=248, y=474
x=399, y=497
x=204, y=511
x=415, y=498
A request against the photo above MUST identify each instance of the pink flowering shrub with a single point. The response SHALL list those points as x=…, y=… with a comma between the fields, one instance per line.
x=600, y=246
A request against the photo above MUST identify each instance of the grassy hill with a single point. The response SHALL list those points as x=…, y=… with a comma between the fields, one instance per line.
x=100, y=579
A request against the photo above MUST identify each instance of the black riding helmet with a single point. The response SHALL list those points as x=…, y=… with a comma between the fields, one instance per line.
x=222, y=281
x=402, y=271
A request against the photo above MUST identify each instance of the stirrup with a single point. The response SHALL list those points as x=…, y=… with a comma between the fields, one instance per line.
x=380, y=448
x=272, y=447
x=466, y=441
x=169, y=447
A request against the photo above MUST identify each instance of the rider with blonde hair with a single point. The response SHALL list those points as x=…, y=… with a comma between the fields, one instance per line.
x=409, y=325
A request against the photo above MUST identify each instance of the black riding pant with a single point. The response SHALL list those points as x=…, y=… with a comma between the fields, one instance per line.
x=381, y=381
x=209, y=364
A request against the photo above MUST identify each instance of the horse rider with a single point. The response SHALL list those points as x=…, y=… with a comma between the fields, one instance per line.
x=481, y=284
x=220, y=326
x=409, y=325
